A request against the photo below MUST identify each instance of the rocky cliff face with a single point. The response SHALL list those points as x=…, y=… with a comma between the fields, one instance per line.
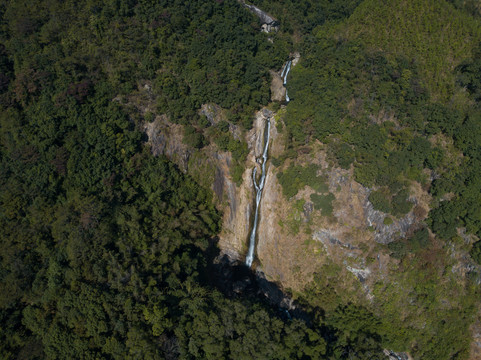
x=292, y=242
x=233, y=240
x=165, y=138
x=268, y=22
x=286, y=233
x=296, y=243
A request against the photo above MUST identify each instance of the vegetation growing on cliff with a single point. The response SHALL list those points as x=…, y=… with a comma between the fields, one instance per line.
x=385, y=97
x=397, y=98
x=105, y=249
x=373, y=101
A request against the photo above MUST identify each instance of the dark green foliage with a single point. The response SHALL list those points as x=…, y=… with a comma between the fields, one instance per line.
x=333, y=74
x=323, y=203
x=296, y=177
x=337, y=87
x=392, y=113
x=445, y=219
x=417, y=242
x=434, y=158
x=344, y=154
x=193, y=138
x=420, y=239
x=400, y=204
x=104, y=247
x=472, y=7
x=442, y=119
x=470, y=75
x=305, y=15
x=475, y=252
x=358, y=335
x=398, y=248
x=380, y=201
x=217, y=62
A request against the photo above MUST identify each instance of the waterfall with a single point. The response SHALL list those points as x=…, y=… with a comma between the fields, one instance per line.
x=284, y=74
x=258, y=187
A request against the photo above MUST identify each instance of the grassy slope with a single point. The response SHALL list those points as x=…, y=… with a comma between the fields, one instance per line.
x=431, y=32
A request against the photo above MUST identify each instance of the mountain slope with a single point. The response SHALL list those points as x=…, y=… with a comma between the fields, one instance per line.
x=432, y=33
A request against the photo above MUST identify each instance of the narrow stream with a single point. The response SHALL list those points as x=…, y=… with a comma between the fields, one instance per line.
x=284, y=74
x=259, y=187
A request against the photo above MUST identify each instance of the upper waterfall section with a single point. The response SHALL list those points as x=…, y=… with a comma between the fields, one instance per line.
x=268, y=23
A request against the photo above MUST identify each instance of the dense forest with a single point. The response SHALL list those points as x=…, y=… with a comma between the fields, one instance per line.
x=105, y=249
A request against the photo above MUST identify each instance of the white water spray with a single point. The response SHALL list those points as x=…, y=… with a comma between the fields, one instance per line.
x=284, y=74
x=259, y=187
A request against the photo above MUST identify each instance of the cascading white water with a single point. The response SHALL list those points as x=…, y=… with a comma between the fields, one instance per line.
x=284, y=74
x=258, y=186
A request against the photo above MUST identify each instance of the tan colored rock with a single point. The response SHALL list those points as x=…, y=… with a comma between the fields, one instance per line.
x=233, y=240
x=278, y=91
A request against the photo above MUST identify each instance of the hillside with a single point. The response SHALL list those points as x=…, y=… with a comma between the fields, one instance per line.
x=381, y=104
x=129, y=135
x=431, y=33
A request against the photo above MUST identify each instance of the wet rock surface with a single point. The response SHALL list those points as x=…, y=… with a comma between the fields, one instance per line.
x=268, y=22
x=396, y=356
x=240, y=199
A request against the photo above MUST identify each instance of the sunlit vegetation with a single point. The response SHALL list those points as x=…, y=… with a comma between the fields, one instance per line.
x=104, y=247
x=323, y=203
x=394, y=93
x=104, y=252
x=295, y=177
x=431, y=33
x=374, y=109
x=301, y=17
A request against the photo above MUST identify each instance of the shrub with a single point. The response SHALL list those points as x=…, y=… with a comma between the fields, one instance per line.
x=380, y=201
x=400, y=204
x=398, y=249
x=323, y=203
x=193, y=138
x=476, y=252
x=419, y=240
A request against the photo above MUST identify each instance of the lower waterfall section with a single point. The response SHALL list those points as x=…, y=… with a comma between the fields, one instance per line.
x=259, y=186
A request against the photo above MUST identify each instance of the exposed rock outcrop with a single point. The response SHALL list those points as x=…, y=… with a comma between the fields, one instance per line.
x=212, y=112
x=396, y=356
x=165, y=138
x=268, y=23
x=387, y=233
x=237, y=218
x=278, y=91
